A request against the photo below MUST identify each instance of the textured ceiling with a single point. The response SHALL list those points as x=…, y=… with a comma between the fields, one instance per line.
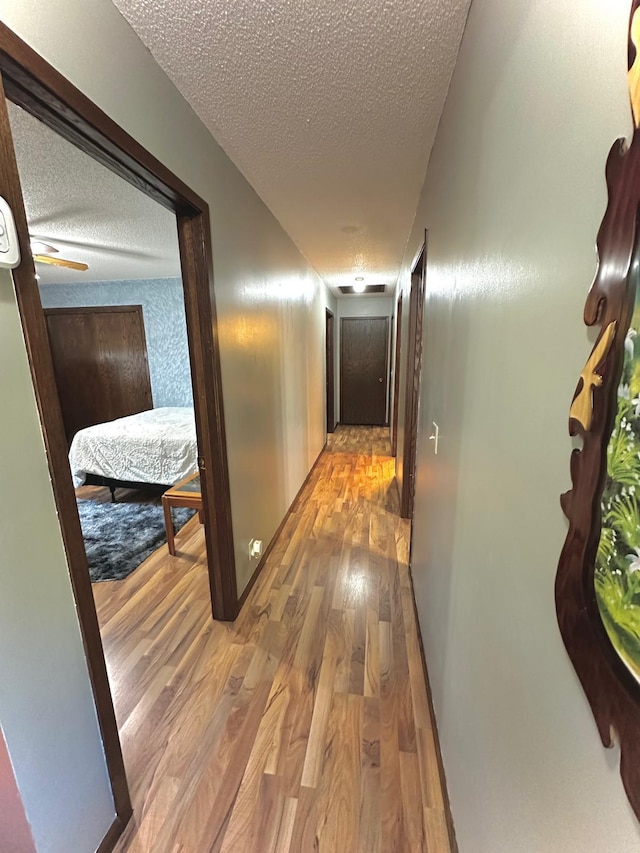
x=88, y=213
x=329, y=108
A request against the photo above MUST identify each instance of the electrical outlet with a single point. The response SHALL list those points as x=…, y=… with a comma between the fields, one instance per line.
x=255, y=549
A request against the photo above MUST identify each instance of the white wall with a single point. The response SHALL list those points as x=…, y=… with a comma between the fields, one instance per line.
x=514, y=196
x=363, y=306
x=271, y=310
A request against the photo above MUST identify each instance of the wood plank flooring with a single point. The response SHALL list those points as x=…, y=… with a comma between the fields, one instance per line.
x=303, y=726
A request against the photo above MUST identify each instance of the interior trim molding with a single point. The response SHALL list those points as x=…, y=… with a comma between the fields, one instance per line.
x=112, y=836
x=453, y=843
x=412, y=380
x=396, y=374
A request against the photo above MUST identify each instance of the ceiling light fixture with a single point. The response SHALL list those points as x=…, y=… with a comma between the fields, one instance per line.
x=358, y=288
x=359, y=278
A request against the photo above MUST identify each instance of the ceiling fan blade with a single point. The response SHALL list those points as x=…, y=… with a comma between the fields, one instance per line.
x=59, y=262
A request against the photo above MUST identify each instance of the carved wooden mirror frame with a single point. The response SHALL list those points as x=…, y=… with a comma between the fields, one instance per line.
x=612, y=690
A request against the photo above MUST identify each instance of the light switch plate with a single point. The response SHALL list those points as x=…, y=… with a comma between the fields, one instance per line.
x=9, y=248
x=435, y=436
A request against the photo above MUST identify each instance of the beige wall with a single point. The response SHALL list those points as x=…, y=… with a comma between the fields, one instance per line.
x=271, y=312
x=513, y=199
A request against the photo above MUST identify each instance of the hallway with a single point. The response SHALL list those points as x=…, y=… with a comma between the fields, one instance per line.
x=303, y=726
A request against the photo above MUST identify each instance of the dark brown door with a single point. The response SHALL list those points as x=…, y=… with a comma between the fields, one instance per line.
x=330, y=371
x=396, y=378
x=412, y=392
x=100, y=362
x=363, y=370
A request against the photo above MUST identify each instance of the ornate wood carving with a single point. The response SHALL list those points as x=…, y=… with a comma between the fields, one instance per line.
x=582, y=406
x=612, y=691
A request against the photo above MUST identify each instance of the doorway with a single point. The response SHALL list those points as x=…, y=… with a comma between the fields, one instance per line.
x=364, y=343
x=330, y=372
x=35, y=86
x=412, y=392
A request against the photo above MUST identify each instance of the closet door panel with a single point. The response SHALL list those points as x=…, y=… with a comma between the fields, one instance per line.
x=101, y=364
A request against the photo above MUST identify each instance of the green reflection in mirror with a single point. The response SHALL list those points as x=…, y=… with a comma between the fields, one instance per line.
x=617, y=575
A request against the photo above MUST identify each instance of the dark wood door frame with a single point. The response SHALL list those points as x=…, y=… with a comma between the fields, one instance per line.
x=330, y=371
x=396, y=377
x=30, y=82
x=412, y=392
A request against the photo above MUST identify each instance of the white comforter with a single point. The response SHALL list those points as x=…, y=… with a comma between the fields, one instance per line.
x=158, y=446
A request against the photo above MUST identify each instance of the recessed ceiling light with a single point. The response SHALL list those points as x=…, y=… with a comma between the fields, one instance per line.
x=358, y=288
x=359, y=278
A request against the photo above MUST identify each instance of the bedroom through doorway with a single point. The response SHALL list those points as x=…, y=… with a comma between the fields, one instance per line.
x=107, y=262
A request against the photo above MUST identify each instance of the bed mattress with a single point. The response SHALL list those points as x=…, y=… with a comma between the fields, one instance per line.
x=158, y=446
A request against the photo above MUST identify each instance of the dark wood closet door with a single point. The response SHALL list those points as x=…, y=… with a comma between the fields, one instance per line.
x=100, y=362
x=363, y=370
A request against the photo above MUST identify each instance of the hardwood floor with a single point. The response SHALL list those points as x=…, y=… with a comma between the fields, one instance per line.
x=303, y=726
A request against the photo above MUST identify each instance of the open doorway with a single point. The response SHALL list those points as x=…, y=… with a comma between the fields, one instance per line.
x=108, y=270
x=32, y=84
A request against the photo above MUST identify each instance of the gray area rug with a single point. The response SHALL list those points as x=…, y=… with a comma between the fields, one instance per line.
x=118, y=537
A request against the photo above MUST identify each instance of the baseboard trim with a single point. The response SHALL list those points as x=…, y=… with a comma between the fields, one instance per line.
x=254, y=577
x=113, y=835
x=451, y=831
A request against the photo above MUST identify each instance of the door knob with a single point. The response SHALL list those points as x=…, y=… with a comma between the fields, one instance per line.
x=380, y=380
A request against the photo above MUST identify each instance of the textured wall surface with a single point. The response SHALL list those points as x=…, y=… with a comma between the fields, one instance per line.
x=271, y=308
x=513, y=200
x=329, y=109
x=165, y=327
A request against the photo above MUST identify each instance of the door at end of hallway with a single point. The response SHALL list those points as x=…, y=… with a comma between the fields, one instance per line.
x=364, y=343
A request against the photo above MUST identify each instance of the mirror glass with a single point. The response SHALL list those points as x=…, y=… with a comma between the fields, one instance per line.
x=617, y=574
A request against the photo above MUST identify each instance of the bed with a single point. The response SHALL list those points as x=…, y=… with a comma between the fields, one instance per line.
x=157, y=447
